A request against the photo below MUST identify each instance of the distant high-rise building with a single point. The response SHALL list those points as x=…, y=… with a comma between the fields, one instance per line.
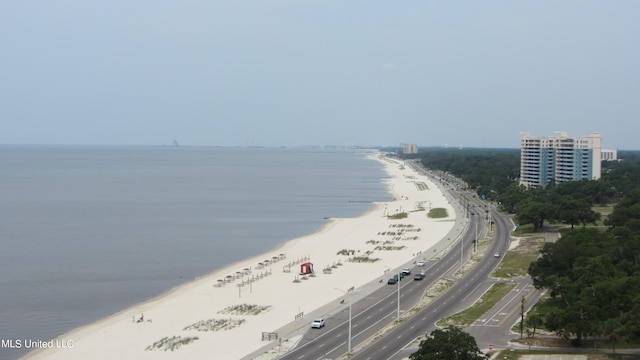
x=559, y=158
x=609, y=155
x=409, y=148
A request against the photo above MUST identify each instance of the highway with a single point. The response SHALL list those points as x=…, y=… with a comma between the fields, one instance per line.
x=460, y=296
x=377, y=310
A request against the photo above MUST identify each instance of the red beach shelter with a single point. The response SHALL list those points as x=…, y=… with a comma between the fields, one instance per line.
x=306, y=268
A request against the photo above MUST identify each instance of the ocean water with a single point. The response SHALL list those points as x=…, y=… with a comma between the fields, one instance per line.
x=88, y=231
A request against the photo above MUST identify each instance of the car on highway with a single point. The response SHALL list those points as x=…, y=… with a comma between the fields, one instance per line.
x=418, y=276
x=317, y=323
x=392, y=281
x=497, y=254
x=405, y=271
x=420, y=263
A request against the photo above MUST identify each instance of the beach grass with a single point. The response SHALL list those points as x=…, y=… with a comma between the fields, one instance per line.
x=244, y=309
x=437, y=213
x=346, y=252
x=171, y=343
x=215, y=324
x=398, y=216
x=363, y=259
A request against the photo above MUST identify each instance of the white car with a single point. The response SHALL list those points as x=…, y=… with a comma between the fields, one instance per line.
x=420, y=263
x=317, y=323
x=497, y=254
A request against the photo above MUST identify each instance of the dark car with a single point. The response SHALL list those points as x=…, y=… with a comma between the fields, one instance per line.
x=392, y=281
x=418, y=276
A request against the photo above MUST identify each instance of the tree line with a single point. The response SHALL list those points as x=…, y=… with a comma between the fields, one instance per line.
x=592, y=273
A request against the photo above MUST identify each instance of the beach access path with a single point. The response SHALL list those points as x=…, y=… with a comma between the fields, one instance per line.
x=236, y=311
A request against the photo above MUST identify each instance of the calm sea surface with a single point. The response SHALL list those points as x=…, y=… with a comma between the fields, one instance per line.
x=88, y=231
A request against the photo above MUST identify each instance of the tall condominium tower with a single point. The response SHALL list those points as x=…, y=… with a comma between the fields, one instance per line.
x=559, y=158
x=409, y=148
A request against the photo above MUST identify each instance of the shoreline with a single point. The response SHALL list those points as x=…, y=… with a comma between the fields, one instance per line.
x=270, y=283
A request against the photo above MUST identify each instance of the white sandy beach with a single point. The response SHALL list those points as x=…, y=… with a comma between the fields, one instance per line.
x=221, y=301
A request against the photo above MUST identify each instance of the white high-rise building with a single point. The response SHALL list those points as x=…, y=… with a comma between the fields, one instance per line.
x=409, y=148
x=609, y=155
x=559, y=158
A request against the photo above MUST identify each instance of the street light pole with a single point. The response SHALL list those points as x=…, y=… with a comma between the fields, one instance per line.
x=489, y=218
x=349, y=292
x=475, y=243
x=398, y=314
x=461, y=252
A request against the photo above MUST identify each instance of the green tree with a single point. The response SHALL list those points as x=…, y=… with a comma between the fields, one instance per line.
x=610, y=328
x=626, y=213
x=568, y=210
x=630, y=322
x=513, y=195
x=448, y=344
x=574, y=211
x=534, y=321
x=592, y=277
x=536, y=212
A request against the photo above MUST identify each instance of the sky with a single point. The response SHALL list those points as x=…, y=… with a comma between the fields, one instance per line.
x=311, y=72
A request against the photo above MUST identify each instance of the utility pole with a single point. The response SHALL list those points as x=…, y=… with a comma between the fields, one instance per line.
x=522, y=316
